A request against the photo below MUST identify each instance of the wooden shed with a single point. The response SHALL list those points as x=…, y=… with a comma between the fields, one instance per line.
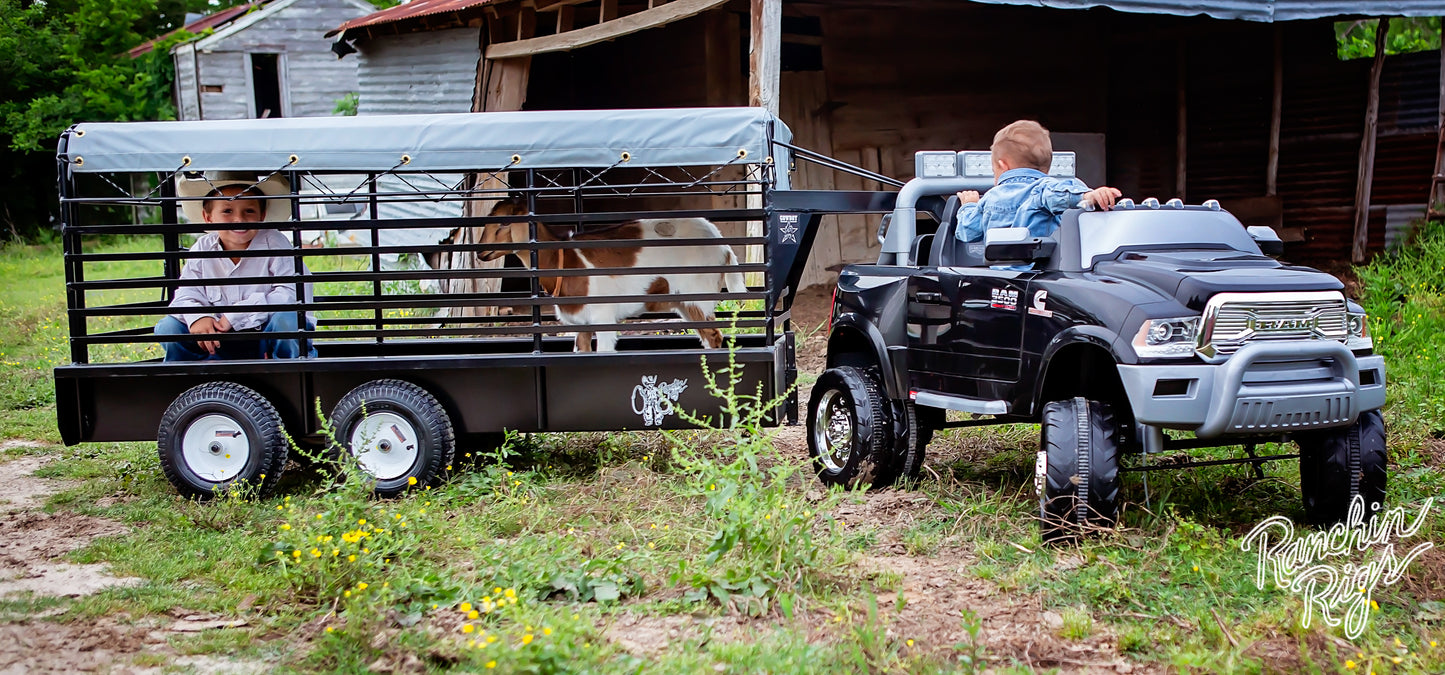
x=264, y=59
x=1245, y=102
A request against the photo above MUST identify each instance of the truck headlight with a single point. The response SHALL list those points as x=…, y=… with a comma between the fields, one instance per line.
x=1167, y=338
x=1359, y=327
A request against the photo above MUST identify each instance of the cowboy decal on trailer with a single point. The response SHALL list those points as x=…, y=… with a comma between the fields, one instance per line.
x=653, y=401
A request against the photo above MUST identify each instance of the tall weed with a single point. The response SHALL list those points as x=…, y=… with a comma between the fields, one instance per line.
x=768, y=540
x=1404, y=294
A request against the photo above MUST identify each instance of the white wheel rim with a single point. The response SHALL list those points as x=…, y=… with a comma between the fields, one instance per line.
x=215, y=447
x=385, y=444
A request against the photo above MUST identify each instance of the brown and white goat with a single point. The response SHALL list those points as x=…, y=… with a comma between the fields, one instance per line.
x=602, y=286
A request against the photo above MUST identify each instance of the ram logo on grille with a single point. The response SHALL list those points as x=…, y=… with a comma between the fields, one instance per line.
x=1259, y=325
x=1231, y=320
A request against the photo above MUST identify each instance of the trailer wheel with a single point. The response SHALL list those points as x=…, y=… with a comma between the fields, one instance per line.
x=1077, y=470
x=220, y=433
x=848, y=429
x=1335, y=465
x=398, y=432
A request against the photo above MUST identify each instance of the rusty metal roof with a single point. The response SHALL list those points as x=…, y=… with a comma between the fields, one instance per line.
x=212, y=20
x=411, y=10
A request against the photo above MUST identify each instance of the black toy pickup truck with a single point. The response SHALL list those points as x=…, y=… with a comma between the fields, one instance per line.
x=1119, y=326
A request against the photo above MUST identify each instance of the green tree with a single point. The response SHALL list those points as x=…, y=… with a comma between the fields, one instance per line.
x=1356, y=39
x=65, y=61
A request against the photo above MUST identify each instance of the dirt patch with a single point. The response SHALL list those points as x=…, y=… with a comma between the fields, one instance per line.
x=645, y=635
x=23, y=490
x=811, y=310
x=41, y=647
x=106, y=645
x=937, y=589
x=888, y=512
x=13, y=443
x=31, y=542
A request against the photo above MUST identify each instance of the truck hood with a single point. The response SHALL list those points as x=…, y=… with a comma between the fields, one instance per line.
x=1192, y=277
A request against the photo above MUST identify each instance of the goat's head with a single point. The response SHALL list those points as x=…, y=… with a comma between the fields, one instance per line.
x=514, y=232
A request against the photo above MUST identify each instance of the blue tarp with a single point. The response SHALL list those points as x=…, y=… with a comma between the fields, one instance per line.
x=442, y=142
x=1249, y=10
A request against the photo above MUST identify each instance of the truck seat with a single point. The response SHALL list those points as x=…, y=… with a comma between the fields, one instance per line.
x=948, y=251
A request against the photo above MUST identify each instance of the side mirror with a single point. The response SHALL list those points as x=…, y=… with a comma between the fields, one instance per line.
x=1269, y=242
x=1015, y=244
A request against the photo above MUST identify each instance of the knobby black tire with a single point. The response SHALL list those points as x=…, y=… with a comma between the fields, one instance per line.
x=1338, y=464
x=870, y=460
x=436, y=441
x=912, y=434
x=1079, y=491
x=262, y=424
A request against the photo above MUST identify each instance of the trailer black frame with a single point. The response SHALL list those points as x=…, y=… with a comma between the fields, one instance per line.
x=490, y=373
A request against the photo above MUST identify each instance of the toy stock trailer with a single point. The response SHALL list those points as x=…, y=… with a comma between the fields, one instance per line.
x=404, y=374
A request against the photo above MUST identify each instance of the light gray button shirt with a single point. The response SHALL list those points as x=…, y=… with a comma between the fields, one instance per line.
x=234, y=298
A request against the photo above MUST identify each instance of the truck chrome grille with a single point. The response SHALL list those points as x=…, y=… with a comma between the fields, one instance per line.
x=1232, y=320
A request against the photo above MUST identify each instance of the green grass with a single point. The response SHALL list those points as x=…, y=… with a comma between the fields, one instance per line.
x=713, y=543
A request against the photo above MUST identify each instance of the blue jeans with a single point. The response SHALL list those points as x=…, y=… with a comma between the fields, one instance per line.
x=281, y=322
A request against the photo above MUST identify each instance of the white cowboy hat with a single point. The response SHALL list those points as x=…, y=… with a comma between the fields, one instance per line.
x=275, y=210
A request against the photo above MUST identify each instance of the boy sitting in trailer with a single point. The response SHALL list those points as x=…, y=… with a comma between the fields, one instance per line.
x=1024, y=195
x=211, y=310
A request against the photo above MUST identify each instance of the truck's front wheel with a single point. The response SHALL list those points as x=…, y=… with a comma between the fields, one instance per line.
x=1077, y=470
x=1336, y=465
x=848, y=429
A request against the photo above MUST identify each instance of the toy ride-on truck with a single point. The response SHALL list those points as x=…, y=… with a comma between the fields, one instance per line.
x=1118, y=326
x=413, y=360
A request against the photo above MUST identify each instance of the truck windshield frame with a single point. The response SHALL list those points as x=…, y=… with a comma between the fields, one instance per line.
x=1103, y=234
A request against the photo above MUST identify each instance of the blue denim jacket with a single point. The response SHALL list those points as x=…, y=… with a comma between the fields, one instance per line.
x=1023, y=198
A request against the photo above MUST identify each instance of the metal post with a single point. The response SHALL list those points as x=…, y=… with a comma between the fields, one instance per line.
x=375, y=257
x=298, y=262
x=170, y=241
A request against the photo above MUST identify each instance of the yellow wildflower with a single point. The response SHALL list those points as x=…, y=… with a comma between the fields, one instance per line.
x=467, y=628
x=527, y=639
x=411, y=480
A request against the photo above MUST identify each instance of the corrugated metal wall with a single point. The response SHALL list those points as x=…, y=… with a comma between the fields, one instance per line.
x=313, y=78
x=431, y=72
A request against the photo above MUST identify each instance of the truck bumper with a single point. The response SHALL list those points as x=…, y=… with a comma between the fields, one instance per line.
x=1263, y=388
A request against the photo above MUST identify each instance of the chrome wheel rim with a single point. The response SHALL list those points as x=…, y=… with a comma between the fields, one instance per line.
x=385, y=444
x=833, y=431
x=215, y=447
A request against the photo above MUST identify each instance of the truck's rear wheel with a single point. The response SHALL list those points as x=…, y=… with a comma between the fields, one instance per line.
x=1335, y=465
x=398, y=432
x=1077, y=470
x=220, y=433
x=912, y=433
x=849, y=435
